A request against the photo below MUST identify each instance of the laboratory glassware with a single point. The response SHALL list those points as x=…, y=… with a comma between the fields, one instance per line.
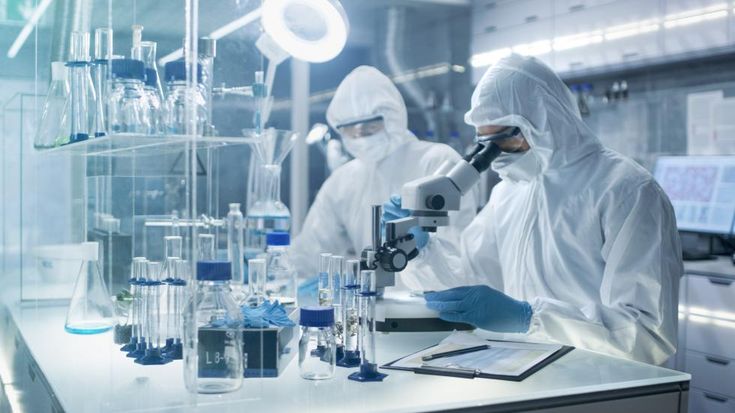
x=178, y=292
x=145, y=51
x=336, y=269
x=90, y=309
x=281, y=279
x=349, y=317
x=205, y=247
x=325, y=281
x=128, y=107
x=140, y=270
x=153, y=325
x=317, y=347
x=213, y=350
x=100, y=68
x=366, y=337
x=136, y=279
x=266, y=213
x=174, y=109
x=53, y=128
x=207, y=51
x=82, y=95
x=235, y=245
x=172, y=245
x=257, y=274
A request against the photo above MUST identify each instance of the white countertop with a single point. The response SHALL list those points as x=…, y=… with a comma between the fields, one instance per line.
x=90, y=374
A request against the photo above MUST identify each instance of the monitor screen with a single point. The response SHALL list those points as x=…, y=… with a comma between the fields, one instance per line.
x=701, y=189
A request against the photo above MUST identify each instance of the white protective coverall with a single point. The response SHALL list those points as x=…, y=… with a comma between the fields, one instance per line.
x=582, y=233
x=339, y=221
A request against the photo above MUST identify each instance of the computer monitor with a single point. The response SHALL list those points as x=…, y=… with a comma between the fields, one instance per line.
x=701, y=189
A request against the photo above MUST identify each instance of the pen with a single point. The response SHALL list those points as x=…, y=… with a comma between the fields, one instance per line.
x=455, y=352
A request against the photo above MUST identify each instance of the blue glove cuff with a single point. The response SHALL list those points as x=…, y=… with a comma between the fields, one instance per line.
x=526, y=315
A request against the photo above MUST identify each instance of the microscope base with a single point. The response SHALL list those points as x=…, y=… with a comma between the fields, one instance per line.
x=401, y=312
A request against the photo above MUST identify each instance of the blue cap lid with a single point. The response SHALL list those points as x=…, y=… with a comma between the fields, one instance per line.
x=176, y=70
x=317, y=316
x=151, y=78
x=128, y=69
x=214, y=271
x=278, y=238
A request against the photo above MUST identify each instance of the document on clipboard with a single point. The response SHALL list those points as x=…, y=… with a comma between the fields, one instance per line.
x=500, y=359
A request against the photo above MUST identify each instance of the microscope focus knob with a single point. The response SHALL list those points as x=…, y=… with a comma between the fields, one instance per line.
x=393, y=259
x=435, y=202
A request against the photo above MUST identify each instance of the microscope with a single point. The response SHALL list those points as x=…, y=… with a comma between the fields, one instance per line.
x=429, y=201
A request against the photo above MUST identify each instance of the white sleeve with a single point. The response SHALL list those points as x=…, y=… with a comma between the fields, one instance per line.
x=323, y=231
x=636, y=315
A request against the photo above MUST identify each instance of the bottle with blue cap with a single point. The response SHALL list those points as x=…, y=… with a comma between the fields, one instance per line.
x=213, y=346
x=174, y=109
x=128, y=107
x=281, y=278
x=317, y=346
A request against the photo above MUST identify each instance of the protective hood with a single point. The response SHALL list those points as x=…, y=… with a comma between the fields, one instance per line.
x=366, y=93
x=524, y=92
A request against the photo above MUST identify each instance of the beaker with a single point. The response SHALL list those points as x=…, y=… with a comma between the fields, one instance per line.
x=90, y=310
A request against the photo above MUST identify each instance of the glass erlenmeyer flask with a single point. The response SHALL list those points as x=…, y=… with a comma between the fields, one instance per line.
x=90, y=310
x=54, y=124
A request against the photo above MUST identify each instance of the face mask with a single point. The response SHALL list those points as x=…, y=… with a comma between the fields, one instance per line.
x=523, y=166
x=370, y=148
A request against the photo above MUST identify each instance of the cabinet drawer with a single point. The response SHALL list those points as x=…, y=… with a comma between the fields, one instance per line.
x=710, y=336
x=705, y=402
x=493, y=16
x=710, y=373
x=711, y=296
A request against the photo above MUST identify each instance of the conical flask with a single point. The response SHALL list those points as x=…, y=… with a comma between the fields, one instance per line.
x=90, y=310
x=54, y=122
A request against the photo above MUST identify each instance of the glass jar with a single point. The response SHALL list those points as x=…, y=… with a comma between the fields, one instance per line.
x=175, y=106
x=317, y=346
x=213, y=347
x=128, y=107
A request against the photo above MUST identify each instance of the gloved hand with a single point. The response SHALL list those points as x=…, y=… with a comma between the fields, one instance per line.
x=481, y=306
x=392, y=210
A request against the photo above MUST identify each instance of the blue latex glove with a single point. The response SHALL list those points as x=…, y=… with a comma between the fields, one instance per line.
x=392, y=210
x=481, y=306
x=266, y=315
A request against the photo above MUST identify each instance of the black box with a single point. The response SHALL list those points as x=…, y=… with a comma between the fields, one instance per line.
x=268, y=351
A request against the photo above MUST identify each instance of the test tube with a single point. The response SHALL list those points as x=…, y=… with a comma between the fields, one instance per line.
x=82, y=96
x=349, y=316
x=101, y=77
x=325, y=280
x=366, y=337
x=205, y=249
x=140, y=274
x=336, y=269
x=133, y=315
x=181, y=269
x=172, y=251
x=256, y=281
x=153, y=353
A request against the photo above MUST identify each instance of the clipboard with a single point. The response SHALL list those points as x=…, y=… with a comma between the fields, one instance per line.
x=470, y=373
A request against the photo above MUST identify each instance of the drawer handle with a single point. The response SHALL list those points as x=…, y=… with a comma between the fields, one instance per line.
x=531, y=19
x=576, y=7
x=490, y=29
x=719, y=281
x=716, y=398
x=717, y=360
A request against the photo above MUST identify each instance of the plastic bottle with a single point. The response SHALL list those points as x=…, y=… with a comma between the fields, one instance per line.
x=281, y=279
x=53, y=127
x=317, y=347
x=213, y=350
x=174, y=108
x=128, y=107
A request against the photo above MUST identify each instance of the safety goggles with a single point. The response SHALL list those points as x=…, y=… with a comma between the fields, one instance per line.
x=361, y=128
x=509, y=139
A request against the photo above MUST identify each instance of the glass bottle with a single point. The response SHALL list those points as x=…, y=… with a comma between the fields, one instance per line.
x=174, y=108
x=100, y=69
x=349, y=317
x=128, y=107
x=82, y=94
x=366, y=336
x=281, y=279
x=317, y=346
x=267, y=214
x=145, y=51
x=90, y=309
x=213, y=350
x=53, y=127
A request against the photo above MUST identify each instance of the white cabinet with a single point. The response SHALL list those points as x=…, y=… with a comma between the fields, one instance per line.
x=494, y=16
x=708, y=402
x=716, y=374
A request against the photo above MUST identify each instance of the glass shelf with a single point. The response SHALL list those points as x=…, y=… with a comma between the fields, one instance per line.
x=137, y=145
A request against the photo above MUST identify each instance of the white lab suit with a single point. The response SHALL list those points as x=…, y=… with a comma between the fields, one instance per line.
x=589, y=240
x=339, y=221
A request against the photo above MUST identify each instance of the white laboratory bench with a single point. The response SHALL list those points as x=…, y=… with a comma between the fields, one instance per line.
x=51, y=370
